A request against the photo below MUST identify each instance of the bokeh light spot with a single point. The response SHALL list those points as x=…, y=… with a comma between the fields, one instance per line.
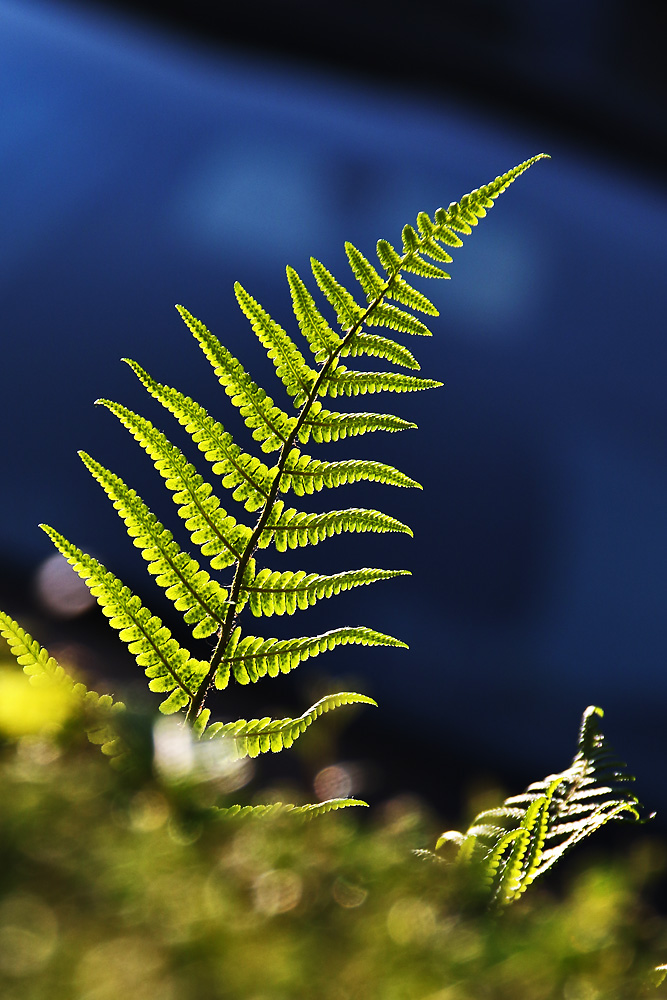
x=333, y=783
x=59, y=590
x=277, y=891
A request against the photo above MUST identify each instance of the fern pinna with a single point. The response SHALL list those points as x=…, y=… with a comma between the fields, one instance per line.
x=513, y=844
x=213, y=606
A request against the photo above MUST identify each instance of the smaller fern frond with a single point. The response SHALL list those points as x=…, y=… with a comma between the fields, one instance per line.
x=245, y=474
x=327, y=425
x=304, y=474
x=250, y=658
x=291, y=528
x=517, y=842
x=42, y=668
x=269, y=424
x=305, y=813
x=169, y=667
x=190, y=588
x=275, y=593
x=220, y=537
x=250, y=739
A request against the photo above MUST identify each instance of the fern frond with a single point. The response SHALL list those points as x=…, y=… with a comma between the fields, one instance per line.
x=416, y=264
x=345, y=382
x=291, y=367
x=345, y=306
x=404, y=293
x=322, y=340
x=304, y=474
x=40, y=667
x=520, y=840
x=190, y=588
x=249, y=739
x=295, y=529
x=220, y=537
x=384, y=314
x=372, y=283
x=379, y=347
x=169, y=666
x=306, y=812
x=327, y=425
x=274, y=593
x=460, y=216
x=269, y=424
x=243, y=473
x=250, y=658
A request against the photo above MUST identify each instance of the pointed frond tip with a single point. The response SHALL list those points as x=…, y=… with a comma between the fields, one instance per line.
x=252, y=738
x=431, y=238
x=304, y=813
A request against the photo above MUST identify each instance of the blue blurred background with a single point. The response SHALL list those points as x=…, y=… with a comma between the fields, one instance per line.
x=153, y=155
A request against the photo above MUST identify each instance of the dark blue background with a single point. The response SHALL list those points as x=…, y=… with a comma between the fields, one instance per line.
x=138, y=170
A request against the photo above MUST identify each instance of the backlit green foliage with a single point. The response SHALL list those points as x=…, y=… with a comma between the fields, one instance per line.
x=228, y=542
x=512, y=845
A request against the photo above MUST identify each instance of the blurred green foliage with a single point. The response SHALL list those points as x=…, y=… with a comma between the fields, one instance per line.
x=125, y=883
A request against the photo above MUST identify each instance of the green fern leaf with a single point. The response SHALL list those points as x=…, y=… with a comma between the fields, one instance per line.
x=305, y=813
x=295, y=529
x=517, y=842
x=384, y=314
x=169, y=666
x=417, y=265
x=379, y=347
x=373, y=285
x=404, y=293
x=276, y=593
x=345, y=382
x=190, y=588
x=322, y=340
x=250, y=658
x=249, y=739
x=42, y=668
x=304, y=474
x=291, y=368
x=244, y=474
x=327, y=425
x=218, y=534
x=431, y=249
x=464, y=214
x=269, y=424
x=347, y=310
x=391, y=261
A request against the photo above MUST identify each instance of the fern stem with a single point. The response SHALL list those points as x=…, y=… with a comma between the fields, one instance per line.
x=229, y=623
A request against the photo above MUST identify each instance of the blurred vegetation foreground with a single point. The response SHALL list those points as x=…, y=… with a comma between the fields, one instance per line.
x=125, y=883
